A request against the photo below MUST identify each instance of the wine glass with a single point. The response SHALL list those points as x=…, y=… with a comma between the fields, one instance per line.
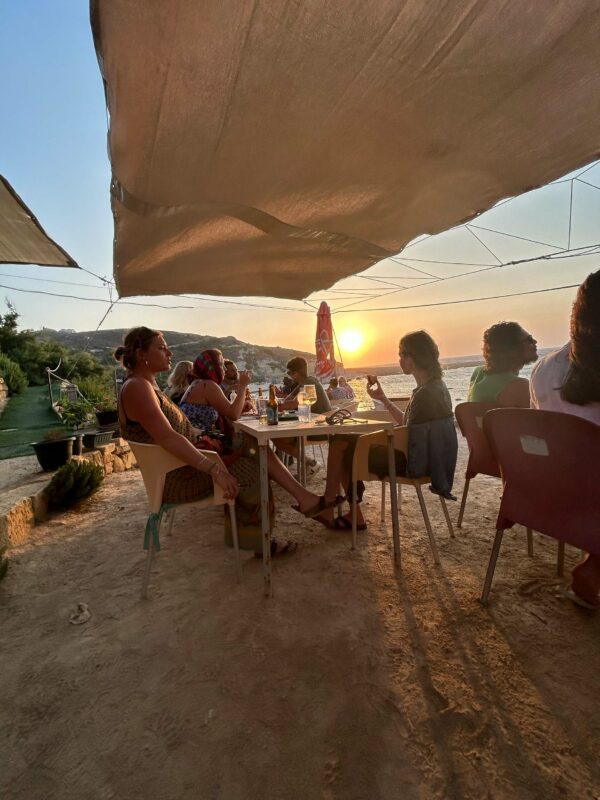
x=310, y=397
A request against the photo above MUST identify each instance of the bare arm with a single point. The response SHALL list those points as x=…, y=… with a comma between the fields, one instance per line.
x=291, y=401
x=140, y=403
x=516, y=394
x=375, y=391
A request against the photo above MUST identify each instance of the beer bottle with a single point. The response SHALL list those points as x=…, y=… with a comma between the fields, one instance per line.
x=272, y=407
x=260, y=394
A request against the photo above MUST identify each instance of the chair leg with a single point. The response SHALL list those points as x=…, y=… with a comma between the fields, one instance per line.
x=529, y=543
x=463, y=503
x=560, y=561
x=434, y=550
x=354, y=514
x=382, y=500
x=171, y=518
x=236, y=542
x=340, y=506
x=491, y=567
x=447, y=515
x=322, y=455
x=146, y=577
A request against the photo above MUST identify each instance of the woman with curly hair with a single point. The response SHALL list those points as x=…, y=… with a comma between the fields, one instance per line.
x=568, y=381
x=507, y=347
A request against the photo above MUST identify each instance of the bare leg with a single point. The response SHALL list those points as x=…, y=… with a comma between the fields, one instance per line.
x=290, y=446
x=586, y=579
x=338, y=474
x=286, y=480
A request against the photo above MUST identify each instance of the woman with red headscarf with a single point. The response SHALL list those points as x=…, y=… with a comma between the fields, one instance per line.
x=209, y=410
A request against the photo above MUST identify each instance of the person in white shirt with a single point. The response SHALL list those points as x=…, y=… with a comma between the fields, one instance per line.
x=568, y=381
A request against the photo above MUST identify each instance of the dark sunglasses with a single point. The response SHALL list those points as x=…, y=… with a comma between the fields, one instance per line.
x=338, y=417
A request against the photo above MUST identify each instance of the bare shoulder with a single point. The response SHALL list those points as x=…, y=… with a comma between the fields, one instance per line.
x=137, y=387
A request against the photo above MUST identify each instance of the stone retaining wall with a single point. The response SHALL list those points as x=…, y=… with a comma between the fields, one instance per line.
x=17, y=522
x=3, y=394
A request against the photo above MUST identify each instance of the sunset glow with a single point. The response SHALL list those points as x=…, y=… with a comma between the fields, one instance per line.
x=351, y=341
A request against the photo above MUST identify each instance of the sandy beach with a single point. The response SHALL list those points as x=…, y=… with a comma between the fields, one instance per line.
x=354, y=682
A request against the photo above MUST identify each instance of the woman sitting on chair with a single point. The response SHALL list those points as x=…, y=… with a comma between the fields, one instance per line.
x=149, y=417
x=430, y=406
x=178, y=381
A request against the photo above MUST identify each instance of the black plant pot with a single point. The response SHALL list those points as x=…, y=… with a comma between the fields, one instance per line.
x=107, y=417
x=53, y=454
x=96, y=438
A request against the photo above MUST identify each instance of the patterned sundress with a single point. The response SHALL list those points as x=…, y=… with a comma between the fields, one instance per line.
x=187, y=484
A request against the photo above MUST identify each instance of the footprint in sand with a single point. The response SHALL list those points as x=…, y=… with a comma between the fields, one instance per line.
x=331, y=773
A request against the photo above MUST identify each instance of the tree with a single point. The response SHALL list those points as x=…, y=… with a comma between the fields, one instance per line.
x=33, y=354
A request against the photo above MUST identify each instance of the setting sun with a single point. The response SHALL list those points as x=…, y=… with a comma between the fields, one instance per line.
x=351, y=341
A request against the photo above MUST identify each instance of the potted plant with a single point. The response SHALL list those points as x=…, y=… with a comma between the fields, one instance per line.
x=54, y=450
x=106, y=412
x=75, y=414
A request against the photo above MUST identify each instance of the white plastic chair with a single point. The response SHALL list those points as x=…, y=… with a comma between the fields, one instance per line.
x=360, y=472
x=154, y=463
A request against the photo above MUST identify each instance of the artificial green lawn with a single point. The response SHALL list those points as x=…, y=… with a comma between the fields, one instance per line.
x=30, y=413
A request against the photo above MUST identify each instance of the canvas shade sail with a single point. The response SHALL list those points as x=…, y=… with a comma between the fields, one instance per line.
x=22, y=238
x=325, y=364
x=273, y=147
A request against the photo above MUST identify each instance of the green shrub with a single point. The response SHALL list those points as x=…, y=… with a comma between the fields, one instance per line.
x=3, y=563
x=73, y=482
x=76, y=412
x=96, y=389
x=13, y=375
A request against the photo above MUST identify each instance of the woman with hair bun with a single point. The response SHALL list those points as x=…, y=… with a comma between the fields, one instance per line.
x=148, y=416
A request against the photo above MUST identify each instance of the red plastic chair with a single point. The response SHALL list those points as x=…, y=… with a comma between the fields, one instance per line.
x=550, y=465
x=481, y=460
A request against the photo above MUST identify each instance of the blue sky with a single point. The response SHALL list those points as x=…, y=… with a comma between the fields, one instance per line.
x=53, y=151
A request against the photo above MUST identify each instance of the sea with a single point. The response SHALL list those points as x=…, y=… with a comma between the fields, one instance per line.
x=456, y=377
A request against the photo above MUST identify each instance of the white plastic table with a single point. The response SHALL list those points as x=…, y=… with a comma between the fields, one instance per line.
x=296, y=429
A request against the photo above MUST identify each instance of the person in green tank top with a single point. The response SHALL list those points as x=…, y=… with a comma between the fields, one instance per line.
x=507, y=347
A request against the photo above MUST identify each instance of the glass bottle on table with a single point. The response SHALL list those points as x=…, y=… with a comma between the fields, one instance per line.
x=272, y=407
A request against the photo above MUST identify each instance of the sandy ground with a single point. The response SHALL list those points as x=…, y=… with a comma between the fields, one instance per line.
x=352, y=682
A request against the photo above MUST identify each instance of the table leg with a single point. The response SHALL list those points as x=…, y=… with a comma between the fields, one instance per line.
x=393, y=496
x=264, y=518
x=301, y=461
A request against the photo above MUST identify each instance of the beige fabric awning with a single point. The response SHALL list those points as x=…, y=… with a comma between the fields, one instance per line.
x=22, y=238
x=273, y=147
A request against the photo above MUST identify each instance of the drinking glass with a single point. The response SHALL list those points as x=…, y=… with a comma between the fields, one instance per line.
x=310, y=397
x=261, y=408
x=303, y=407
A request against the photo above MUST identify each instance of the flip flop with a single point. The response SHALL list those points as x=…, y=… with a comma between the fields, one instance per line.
x=360, y=526
x=575, y=598
x=322, y=505
x=335, y=525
